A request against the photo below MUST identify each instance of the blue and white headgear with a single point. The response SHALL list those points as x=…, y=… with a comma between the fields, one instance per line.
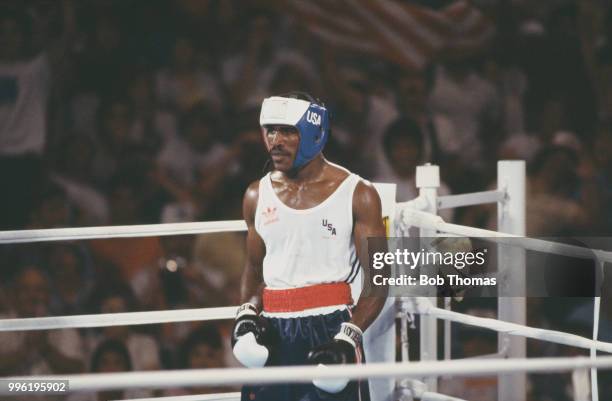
x=309, y=118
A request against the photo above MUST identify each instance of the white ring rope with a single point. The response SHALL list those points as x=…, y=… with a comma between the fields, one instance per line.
x=199, y=397
x=420, y=305
x=426, y=396
x=411, y=217
x=143, y=230
x=424, y=306
x=305, y=374
x=118, y=319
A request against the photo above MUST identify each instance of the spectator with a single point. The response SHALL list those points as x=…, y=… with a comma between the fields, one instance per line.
x=149, y=116
x=117, y=135
x=25, y=86
x=552, y=197
x=474, y=343
x=248, y=74
x=186, y=82
x=73, y=172
x=37, y=352
x=203, y=349
x=602, y=154
x=143, y=350
x=352, y=107
x=404, y=149
x=130, y=255
x=110, y=356
x=52, y=208
x=196, y=149
x=410, y=99
x=471, y=104
x=72, y=278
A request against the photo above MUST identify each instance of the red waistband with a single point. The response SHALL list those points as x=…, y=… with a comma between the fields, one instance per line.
x=299, y=299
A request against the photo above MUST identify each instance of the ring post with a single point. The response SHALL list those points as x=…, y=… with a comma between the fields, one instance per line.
x=428, y=181
x=511, y=308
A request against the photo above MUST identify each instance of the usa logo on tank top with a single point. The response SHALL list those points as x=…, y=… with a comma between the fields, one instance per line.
x=330, y=227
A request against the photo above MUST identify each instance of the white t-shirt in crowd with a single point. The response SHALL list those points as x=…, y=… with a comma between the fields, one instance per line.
x=467, y=104
x=24, y=89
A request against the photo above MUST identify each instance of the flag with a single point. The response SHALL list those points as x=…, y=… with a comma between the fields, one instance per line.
x=402, y=32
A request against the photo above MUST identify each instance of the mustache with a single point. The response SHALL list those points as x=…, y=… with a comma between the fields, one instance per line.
x=278, y=152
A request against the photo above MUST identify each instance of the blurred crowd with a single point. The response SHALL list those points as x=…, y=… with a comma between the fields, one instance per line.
x=121, y=113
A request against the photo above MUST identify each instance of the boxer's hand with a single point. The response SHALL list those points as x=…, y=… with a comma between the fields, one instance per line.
x=341, y=350
x=251, y=338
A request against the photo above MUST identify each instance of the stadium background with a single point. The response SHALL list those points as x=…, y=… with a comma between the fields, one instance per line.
x=135, y=112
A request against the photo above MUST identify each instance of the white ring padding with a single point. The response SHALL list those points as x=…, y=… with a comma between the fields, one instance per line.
x=118, y=319
x=143, y=230
x=199, y=397
x=471, y=199
x=593, y=353
x=423, y=306
x=418, y=203
x=421, y=219
x=418, y=389
x=305, y=374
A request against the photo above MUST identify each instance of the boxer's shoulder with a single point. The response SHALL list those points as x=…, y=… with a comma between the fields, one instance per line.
x=249, y=203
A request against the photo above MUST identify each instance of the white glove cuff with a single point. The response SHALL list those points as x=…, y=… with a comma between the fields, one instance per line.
x=350, y=333
x=246, y=309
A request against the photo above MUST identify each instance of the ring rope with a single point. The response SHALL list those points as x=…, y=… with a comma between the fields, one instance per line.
x=141, y=230
x=118, y=319
x=305, y=374
x=423, y=306
x=420, y=305
x=411, y=217
x=425, y=396
x=199, y=397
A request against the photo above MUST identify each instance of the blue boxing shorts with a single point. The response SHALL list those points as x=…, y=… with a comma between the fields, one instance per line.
x=297, y=336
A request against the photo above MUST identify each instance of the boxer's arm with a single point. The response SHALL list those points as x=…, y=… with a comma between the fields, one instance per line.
x=367, y=215
x=252, y=276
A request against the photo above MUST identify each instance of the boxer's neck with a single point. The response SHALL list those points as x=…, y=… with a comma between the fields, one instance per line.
x=311, y=171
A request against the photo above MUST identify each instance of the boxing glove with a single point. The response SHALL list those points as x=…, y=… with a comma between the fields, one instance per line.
x=341, y=350
x=251, y=339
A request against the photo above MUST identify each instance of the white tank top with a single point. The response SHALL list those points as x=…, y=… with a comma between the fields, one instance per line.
x=309, y=246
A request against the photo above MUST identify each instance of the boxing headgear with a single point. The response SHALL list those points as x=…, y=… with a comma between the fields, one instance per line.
x=309, y=118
